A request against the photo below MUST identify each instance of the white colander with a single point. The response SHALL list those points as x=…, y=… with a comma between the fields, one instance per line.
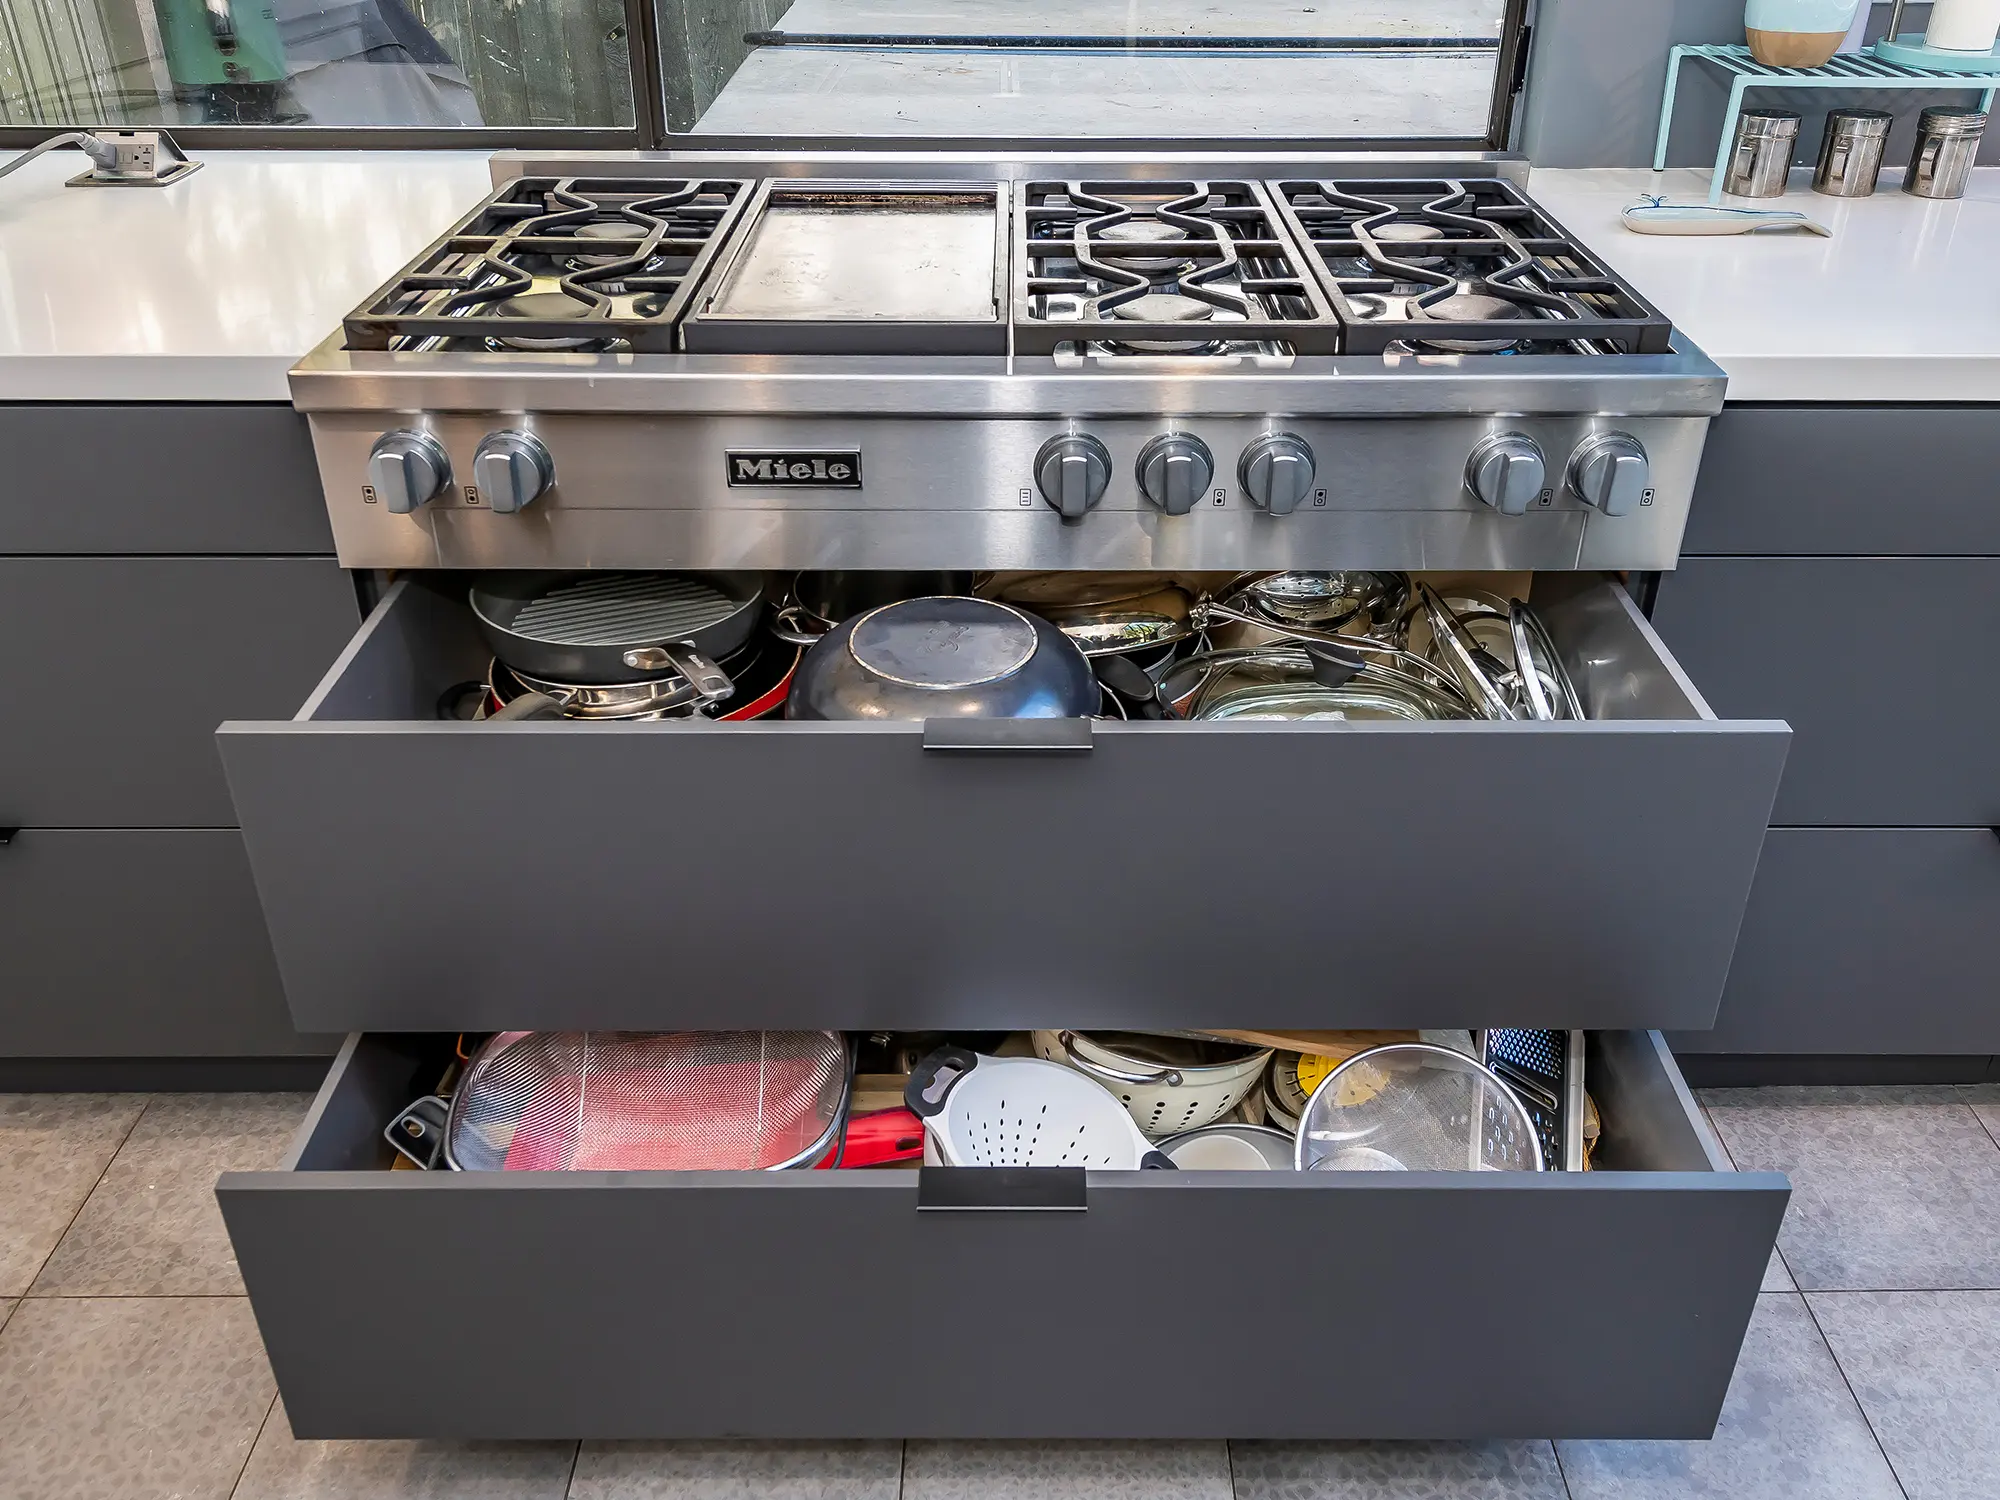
x=983, y=1111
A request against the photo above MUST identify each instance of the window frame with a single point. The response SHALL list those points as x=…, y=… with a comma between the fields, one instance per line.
x=649, y=132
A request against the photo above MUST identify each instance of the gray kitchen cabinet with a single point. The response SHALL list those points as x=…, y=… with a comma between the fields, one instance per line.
x=122, y=479
x=1866, y=940
x=137, y=943
x=1806, y=481
x=116, y=671
x=1884, y=667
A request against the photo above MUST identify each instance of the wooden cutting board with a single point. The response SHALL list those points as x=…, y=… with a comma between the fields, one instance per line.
x=1339, y=1045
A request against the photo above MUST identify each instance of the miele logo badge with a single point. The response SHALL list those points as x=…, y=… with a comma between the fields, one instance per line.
x=810, y=470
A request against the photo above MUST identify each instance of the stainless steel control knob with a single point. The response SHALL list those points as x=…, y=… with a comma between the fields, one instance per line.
x=408, y=469
x=1174, y=471
x=1073, y=472
x=1610, y=471
x=1276, y=472
x=513, y=470
x=1507, y=471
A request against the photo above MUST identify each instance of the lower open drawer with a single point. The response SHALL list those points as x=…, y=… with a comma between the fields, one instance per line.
x=1175, y=1304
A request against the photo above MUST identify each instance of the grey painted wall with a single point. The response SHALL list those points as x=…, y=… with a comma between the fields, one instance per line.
x=1597, y=71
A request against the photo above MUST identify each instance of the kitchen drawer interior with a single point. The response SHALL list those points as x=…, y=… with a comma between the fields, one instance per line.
x=961, y=872
x=548, y=1303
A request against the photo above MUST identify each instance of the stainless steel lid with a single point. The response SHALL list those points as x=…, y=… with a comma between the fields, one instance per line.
x=1951, y=120
x=1859, y=124
x=1767, y=124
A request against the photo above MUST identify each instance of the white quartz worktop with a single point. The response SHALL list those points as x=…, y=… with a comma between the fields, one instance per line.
x=211, y=288
x=1902, y=304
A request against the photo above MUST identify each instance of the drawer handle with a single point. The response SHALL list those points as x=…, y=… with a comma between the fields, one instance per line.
x=1008, y=736
x=1005, y=1189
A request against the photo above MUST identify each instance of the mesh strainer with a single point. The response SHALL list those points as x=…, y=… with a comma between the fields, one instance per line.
x=1413, y=1107
x=633, y=1101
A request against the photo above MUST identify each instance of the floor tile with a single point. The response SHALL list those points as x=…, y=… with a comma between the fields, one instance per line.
x=1396, y=1471
x=151, y=1228
x=1984, y=1100
x=1065, y=1471
x=138, y=1398
x=283, y=1468
x=1926, y=1368
x=1789, y=1431
x=53, y=1148
x=7, y=1306
x=1776, y=1277
x=737, y=1471
x=1892, y=1188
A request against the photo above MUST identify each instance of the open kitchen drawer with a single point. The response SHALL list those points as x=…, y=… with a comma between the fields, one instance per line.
x=1175, y=1304
x=420, y=874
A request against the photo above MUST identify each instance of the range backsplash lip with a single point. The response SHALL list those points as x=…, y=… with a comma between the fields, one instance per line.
x=1683, y=382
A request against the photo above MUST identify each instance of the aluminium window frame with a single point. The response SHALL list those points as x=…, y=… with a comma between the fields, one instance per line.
x=649, y=132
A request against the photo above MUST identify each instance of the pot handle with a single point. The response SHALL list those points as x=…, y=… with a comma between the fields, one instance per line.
x=934, y=1077
x=709, y=681
x=527, y=707
x=788, y=625
x=1103, y=1072
x=1158, y=1161
x=419, y=1132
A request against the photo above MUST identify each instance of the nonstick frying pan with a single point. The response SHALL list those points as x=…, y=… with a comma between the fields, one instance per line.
x=598, y=629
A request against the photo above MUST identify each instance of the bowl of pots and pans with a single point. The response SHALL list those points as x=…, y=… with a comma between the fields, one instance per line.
x=949, y=656
x=1168, y=1083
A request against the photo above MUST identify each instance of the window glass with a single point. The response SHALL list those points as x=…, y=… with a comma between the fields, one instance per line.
x=408, y=63
x=1313, y=69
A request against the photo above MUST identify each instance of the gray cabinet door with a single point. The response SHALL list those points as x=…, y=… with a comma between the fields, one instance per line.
x=1884, y=667
x=114, y=672
x=1866, y=940
x=137, y=943
x=1833, y=480
x=165, y=479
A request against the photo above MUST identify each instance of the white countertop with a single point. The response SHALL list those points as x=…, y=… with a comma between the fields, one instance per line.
x=1902, y=304
x=211, y=288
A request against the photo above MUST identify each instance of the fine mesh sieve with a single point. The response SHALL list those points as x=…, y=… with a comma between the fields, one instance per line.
x=584, y=1101
x=1415, y=1107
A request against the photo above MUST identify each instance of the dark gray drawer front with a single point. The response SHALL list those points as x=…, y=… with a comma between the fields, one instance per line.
x=116, y=670
x=172, y=479
x=1883, y=667
x=1831, y=480
x=431, y=876
x=1866, y=941
x=137, y=943
x=556, y=1302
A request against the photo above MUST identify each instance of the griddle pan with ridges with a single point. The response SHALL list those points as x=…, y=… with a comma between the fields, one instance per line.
x=599, y=629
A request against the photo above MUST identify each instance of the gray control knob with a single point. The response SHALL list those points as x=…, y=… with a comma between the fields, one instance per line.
x=408, y=469
x=1610, y=471
x=1507, y=471
x=1073, y=472
x=1276, y=472
x=513, y=470
x=1174, y=471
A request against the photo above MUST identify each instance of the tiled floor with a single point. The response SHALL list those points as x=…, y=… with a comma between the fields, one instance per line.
x=130, y=1367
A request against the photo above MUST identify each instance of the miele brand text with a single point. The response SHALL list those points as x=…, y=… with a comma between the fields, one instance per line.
x=814, y=470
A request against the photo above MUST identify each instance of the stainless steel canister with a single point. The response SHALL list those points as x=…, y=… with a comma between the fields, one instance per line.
x=1850, y=153
x=1762, y=154
x=1947, y=141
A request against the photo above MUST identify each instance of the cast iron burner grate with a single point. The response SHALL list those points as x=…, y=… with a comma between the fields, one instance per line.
x=1095, y=261
x=558, y=264
x=1437, y=265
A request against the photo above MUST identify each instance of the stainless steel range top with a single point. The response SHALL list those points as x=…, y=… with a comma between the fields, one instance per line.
x=930, y=361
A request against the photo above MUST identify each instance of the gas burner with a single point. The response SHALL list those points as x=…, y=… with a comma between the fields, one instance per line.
x=548, y=307
x=1391, y=251
x=1466, y=306
x=1164, y=308
x=1137, y=232
x=621, y=238
x=1089, y=259
x=1398, y=233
